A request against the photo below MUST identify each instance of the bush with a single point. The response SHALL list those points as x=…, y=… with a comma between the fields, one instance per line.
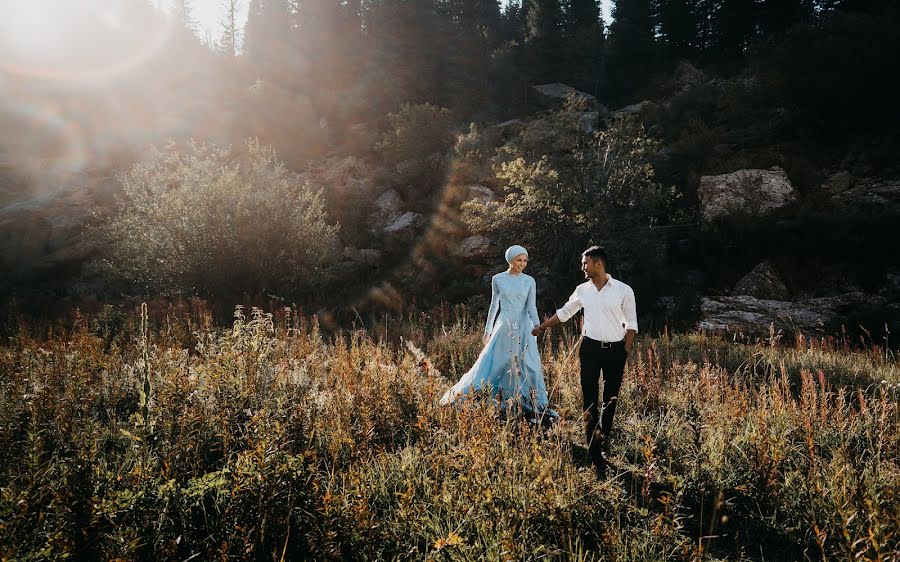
x=416, y=143
x=204, y=221
x=565, y=188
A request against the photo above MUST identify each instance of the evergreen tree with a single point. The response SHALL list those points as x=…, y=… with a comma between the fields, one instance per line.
x=584, y=39
x=473, y=34
x=183, y=13
x=267, y=40
x=632, y=47
x=544, y=44
x=777, y=16
x=409, y=51
x=735, y=28
x=513, y=23
x=678, y=26
x=704, y=15
x=230, y=31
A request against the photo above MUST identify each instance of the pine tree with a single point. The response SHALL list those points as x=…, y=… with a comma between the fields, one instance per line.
x=584, y=36
x=267, y=40
x=544, y=43
x=409, y=51
x=632, y=47
x=473, y=33
x=230, y=32
x=735, y=28
x=183, y=13
x=777, y=16
x=677, y=22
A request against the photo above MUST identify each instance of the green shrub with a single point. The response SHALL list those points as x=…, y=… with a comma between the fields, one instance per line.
x=201, y=220
x=564, y=188
x=416, y=142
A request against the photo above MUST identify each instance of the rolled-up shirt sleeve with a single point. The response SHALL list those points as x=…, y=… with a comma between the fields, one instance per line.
x=572, y=306
x=629, y=311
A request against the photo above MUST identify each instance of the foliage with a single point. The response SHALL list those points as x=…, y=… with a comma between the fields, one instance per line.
x=269, y=440
x=202, y=220
x=564, y=188
x=415, y=143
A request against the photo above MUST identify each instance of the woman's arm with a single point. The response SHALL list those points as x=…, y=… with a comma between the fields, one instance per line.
x=530, y=304
x=492, y=311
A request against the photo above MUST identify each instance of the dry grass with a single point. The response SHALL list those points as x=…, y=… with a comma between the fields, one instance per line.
x=271, y=441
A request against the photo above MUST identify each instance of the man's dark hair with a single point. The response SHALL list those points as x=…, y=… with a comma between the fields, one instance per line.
x=597, y=253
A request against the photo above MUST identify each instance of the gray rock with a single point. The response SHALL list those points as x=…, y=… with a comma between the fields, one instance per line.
x=475, y=247
x=480, y=193
x=762, y=282
x=749, y=315
x=642, y=109
x=754, y=192
x=687, y=76
x=556, y=94
x=387, y=209
x=46, y=231
x=838, y=183
x=368, y=256
x=890, y=287
x=406, y=224
x=872, y=193
x=590, y=121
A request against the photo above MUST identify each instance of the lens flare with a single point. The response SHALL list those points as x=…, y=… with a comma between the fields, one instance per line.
x=45, y=143
x=78, y=41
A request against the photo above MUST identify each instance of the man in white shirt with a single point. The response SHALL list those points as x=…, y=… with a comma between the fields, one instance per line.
x=610, y=324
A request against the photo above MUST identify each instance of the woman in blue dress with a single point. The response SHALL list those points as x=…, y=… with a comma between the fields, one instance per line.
x=509, y=366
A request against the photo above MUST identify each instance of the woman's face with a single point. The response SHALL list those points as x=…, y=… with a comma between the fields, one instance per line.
x=519, y=263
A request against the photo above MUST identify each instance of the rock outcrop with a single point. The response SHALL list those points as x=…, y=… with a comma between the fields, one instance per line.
x=763, y=282
x=756, y=193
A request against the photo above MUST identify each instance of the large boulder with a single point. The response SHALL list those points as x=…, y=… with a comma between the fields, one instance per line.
x=367, y=256
x=838, y=183
x=590, y=121
x=762, y=282
x=387, y=209
x=556, y=94
x=645, y=110
x=406, y=225
x=750, y=315
x=890, y=287
x=754, y=192
x=878, y=194
x=509, y=128
x=481, y=194
x=45, y=232
x=475, y=247
x=686, y=76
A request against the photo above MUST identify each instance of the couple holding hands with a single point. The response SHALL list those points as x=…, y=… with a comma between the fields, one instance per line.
x=509, y=366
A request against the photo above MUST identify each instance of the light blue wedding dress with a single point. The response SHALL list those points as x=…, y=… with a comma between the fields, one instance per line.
x=509, y=367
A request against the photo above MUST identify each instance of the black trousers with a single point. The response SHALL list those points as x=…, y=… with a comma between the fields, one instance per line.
x=606, y=362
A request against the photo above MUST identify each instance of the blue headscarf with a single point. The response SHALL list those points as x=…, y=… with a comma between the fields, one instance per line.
x=514, y=251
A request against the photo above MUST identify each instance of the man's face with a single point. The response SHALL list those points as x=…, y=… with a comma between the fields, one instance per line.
x=590, y=267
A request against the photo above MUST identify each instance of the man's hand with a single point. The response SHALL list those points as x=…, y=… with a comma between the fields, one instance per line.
x=629, y=341
x=537, y=331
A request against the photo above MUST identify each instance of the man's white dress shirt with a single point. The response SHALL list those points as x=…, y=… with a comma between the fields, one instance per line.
x=608, y=312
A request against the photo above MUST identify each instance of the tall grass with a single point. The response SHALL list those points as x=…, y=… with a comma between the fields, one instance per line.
x=170, y=438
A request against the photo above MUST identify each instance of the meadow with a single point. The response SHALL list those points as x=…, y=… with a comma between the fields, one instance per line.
x=158, y=434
